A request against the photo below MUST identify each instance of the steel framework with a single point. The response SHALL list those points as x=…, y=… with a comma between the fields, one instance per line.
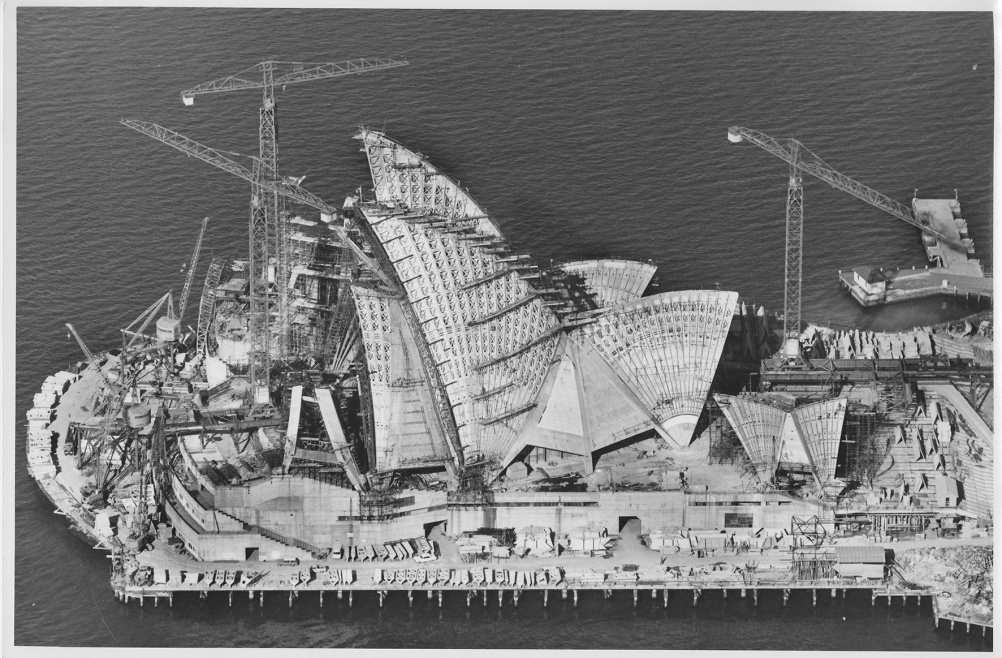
x=267, y=216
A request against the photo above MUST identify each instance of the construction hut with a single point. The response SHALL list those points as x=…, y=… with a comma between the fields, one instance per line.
x=947, y=491
x=860, y=561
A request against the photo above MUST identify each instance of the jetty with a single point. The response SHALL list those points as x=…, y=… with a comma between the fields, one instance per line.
x=954, y=273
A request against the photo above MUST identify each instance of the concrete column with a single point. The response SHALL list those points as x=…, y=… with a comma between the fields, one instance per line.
x=634, y=598
x=814, y=596
x=440, y=598
x=290, y=598
x=843, y=592
x=833, y=592
x=141, y=597
x=725, y=592
x=744, y=592
x=156, y=601
x=563, y=594
x=250, y=595
x=230, y=597
x=873, y=597
x=755, y=595
x=546, y=597
x=575, y=598
x=410, y=598
x=500, y=598
x=786, y=596
x=469, y=597
x=261, y=597
x=430, y=594
x=350, y=598
x=485, y=597
x=171, y=598
x=695, y=597
x=516, y=593
x=321, y=598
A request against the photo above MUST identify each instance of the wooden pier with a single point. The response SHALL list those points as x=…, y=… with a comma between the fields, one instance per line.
x=474, y=591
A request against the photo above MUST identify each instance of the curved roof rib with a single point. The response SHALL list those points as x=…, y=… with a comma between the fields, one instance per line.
x=666, y=349
x=613, y=282
x=490, y=336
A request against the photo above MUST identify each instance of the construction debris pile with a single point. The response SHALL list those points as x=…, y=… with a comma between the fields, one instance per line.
x=962, y=575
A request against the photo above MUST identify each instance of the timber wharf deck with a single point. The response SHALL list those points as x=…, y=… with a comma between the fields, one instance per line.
x=126, y=592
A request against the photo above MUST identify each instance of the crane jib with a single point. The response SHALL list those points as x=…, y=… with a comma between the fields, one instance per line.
x=819, y=169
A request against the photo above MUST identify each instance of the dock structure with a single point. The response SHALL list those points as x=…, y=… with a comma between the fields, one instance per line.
x=515, y=584
x=941, y=612
x=872, y=287
x=954, y=273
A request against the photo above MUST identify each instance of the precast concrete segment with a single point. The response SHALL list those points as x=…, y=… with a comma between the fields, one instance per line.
x=758, y=427
x=405, y=177
x=820, y=428
x=666, y=348
x=497, y=336
x=405, y=426
x=613, y=282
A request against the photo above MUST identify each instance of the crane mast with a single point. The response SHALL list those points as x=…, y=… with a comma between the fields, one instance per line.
x=793, y=271
x=268, y=232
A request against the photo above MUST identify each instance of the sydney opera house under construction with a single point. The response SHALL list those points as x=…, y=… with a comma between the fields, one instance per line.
x=397, y=368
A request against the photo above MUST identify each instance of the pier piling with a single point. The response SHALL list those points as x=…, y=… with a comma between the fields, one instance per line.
x=755, y=596
x=261, y=598
x=321, y=598
x=410, y=598
x=350, y=597
x=575, y=598
x=634, y=598
x=546, y=597
x=500, y=598
x=440, y=598
x=230, y=598
x=786, y=596
x=814, y=597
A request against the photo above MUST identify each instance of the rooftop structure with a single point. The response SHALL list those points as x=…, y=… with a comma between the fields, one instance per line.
x=515, y=372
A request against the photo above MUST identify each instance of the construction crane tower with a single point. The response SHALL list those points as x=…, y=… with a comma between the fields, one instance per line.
x=268, y=234
x=801, y=159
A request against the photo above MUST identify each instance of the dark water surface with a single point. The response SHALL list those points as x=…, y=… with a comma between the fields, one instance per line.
x=586, y=134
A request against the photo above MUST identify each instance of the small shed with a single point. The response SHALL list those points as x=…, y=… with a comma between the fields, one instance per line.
x=860, y=561
x=947, y=491
x=870, y=280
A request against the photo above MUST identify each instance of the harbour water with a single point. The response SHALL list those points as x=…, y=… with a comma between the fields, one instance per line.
x=585, y=134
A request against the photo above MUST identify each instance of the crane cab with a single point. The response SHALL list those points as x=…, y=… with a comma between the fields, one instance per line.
x=168, y=329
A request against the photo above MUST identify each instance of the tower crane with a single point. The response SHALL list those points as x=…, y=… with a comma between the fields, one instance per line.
x=262, y=178
x=801, y=159
x=267, y=229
